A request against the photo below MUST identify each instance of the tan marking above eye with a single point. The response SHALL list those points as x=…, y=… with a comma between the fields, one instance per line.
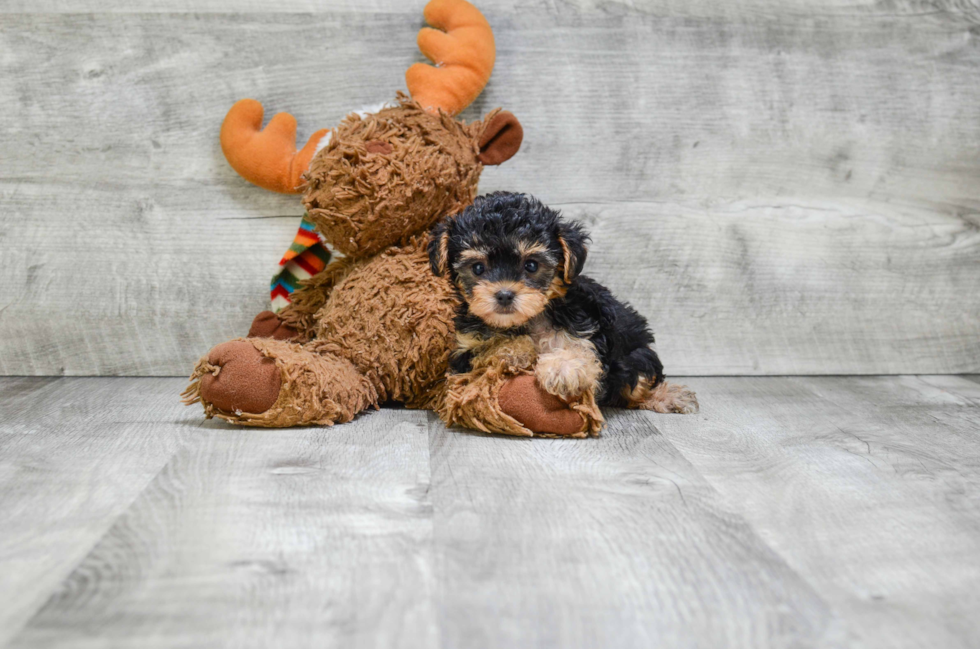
x=526, y=248
x=473, y=255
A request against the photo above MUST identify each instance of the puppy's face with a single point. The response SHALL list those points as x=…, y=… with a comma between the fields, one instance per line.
x=508, y=255
x=507, y=281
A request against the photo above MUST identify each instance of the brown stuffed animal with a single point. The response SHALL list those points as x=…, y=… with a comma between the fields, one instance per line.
x=376, y=325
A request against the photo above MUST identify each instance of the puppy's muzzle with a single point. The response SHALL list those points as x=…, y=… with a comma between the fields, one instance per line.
x=505, y=298
x=506, y=304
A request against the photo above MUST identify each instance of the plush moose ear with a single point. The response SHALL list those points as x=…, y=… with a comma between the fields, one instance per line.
x=573, y=240
x=439, y=248
x=501, y=138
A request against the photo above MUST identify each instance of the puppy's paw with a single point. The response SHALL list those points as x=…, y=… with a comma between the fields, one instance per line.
x=567, y=374
x=684, y=401
x=669, y=398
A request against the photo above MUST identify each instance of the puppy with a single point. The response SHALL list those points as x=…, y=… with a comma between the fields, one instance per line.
x=516, y=265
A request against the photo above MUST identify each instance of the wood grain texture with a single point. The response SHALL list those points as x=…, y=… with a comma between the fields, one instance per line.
x=615, y=542
x=729, y=137
x=74, y=454
x=867, y=487
x=759, y=287
x=792, y=512
x=935, y=9
x=246, y=538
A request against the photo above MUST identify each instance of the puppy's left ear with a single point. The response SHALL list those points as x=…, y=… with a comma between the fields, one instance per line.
x=574, y=241
x=439, y=248
x=501, y=138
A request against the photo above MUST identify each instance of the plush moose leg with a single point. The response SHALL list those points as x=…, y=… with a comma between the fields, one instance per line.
x=274, y=383
x=501, y=395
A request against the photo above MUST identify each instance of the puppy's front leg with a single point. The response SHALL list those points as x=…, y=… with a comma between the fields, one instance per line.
x=569, y=369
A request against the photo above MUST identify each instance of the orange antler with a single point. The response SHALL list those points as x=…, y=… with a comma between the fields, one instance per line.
x=463, y=53
x=267, y=157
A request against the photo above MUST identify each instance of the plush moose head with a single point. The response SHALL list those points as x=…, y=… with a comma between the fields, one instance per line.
x=377, y=179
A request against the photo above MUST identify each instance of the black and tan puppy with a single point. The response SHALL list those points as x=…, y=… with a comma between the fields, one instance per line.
x=516, y=265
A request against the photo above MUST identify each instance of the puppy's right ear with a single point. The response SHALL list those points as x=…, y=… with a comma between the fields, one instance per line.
x=573, y=240
x=439, y=248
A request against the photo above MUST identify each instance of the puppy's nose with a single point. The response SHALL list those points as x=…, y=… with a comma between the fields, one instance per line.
x=504, y=297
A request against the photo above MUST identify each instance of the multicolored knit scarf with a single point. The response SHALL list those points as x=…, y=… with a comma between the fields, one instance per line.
x=306, y=257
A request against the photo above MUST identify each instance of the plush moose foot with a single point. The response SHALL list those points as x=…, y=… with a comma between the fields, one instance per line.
x=275, y=383
x=268, y=325
x=244, y=380
x=527, y=402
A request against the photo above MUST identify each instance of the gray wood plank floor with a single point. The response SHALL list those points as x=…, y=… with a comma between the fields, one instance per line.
x=792, y=512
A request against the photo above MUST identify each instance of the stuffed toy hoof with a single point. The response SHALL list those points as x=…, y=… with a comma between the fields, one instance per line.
x=268, y=325
x=242, y=379
x=523, y=399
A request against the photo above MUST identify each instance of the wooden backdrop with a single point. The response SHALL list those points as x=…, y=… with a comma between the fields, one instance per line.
x=782, y=186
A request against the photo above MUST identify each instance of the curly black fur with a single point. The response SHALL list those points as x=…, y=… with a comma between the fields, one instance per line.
x=498, y=225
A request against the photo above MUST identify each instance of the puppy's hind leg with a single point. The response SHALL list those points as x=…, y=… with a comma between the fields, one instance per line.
x=652, y=392
x=665, y=397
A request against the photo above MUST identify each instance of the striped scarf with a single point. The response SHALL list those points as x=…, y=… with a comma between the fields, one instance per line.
x=306, y=257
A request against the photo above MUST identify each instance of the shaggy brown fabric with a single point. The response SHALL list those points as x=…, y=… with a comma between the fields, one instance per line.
x=268, y=325
x=363, y=202
x=385, y=333
x=393, y=319
x=236, y=377
x=315, y=388
x=525, y=401
x=472, y=399
x=377, y=146
x=312, y=295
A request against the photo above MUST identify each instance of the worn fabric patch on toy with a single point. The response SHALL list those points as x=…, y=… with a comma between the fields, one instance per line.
x=306, y=257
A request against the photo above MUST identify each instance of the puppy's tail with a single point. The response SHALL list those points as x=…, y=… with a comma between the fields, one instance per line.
x=652, y=392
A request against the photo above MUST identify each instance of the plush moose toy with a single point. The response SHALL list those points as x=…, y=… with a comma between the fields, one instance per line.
x=377, y=324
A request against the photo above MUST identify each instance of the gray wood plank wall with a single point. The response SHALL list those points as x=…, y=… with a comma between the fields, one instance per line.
x=781, y=186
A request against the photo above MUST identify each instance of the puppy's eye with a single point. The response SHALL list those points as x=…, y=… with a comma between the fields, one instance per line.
x=478, y=268
x=531, y=266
